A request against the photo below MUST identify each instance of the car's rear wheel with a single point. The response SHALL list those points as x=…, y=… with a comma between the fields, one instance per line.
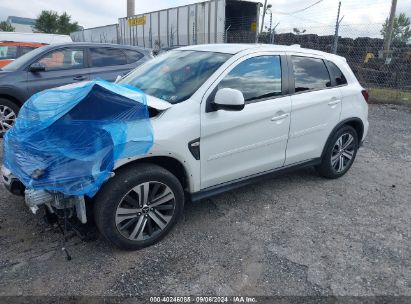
x=340, y=153
x=139, y=206
x=8, y=115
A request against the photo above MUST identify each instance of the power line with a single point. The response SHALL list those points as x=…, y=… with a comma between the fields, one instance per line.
x=304, y=9
x=324, y=9
x=300, y=10
x=300, y=18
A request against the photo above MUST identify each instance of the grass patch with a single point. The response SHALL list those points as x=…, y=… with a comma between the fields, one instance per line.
x=385, y=95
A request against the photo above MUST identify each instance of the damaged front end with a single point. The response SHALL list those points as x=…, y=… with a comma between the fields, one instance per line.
x=55, y=201
x=52, y=200
x=66, y=141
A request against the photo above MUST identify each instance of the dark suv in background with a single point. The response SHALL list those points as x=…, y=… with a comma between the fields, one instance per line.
x=60, y=64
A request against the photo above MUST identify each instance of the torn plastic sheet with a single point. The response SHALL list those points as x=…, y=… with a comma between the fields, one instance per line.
x=68, y=139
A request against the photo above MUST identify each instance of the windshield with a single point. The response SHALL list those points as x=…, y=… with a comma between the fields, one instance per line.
x=176, y=75
x=22, y=61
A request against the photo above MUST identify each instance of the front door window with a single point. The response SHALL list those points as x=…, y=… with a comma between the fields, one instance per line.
x=63, y=59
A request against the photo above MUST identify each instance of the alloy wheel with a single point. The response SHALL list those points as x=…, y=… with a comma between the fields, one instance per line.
x=145, y=211
x=7, y=118
x=343, y=152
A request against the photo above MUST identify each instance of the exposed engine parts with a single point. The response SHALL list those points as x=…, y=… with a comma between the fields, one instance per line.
x=55, y=200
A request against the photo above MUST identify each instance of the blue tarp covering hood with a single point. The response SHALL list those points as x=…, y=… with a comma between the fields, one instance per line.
x=68, y=139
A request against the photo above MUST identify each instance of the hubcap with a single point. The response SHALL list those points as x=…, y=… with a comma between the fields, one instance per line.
x=343, y=152
x=7, y=118
x=145, y=211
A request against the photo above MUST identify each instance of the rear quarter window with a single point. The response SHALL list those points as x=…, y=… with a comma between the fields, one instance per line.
x=337, y=74
x=133, y=56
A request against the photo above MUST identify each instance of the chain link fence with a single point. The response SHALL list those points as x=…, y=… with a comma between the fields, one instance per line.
x=387, y=76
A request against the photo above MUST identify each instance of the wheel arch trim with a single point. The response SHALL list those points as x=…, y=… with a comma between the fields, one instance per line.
x=355, y=122
x=13, y=99
x=168, y=162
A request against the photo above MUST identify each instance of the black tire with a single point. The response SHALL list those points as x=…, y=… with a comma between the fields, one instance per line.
x=113, y=193
x=11, y=105
x=326, y=169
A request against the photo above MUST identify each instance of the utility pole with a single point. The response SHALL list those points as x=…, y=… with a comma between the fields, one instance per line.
x=130, y=8
x=271, y=21
x=264, y=11
x=337, y=27
x=388, y=34
x=273, y=33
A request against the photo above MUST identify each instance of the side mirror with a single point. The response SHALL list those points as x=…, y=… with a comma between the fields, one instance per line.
x=229, y=100
x=37, y=67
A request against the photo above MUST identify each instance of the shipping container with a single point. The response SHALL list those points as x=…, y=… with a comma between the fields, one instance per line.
x=34, y=37
x=214, y=21
x=101, y=34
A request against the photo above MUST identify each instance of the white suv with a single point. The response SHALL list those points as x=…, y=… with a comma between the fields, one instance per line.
x=228, y=115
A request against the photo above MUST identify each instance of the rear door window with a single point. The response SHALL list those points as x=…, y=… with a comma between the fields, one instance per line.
x=310, y=74
x=337, y=74
x=257, y=78
x=102, y=57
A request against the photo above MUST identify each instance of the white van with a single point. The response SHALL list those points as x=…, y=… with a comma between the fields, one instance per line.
x=34, y=37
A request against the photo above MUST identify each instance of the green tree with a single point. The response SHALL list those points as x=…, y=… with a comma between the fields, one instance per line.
x=52, y=23
x=47, y=22
x=65, y=26
x=6, y=27
x=401, y=30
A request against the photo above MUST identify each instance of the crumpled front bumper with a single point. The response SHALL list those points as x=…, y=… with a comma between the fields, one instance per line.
x=11, y=183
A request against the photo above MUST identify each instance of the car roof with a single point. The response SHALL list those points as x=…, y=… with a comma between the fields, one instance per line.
x=233, y=48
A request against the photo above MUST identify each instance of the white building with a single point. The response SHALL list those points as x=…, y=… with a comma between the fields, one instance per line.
x=21, y=24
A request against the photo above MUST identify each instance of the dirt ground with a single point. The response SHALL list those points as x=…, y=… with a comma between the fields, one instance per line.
x=297, y=234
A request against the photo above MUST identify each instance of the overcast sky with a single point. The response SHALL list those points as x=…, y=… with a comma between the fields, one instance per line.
x=91, y=13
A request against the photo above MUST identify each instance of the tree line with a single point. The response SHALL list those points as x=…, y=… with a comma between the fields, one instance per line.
x=49, y=22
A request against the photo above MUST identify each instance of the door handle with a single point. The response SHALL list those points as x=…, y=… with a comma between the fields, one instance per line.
x=281, y=117
x=79, y=78
x=334, y=102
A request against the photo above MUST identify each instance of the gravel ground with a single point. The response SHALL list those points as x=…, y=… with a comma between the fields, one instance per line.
x=297, y=234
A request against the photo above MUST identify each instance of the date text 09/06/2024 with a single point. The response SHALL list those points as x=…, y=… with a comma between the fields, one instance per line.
x=199, y=299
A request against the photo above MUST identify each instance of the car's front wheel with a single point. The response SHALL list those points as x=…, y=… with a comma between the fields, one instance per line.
x=339, y=153
x=8, y=115
x=139, y=206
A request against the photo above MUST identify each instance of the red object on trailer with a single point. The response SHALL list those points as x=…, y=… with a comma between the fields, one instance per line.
x=11, y=50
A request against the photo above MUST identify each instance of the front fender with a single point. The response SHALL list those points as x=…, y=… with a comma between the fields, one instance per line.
x=13, y=93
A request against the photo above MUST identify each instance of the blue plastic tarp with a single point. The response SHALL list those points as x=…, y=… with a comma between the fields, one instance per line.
x=68, y=139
